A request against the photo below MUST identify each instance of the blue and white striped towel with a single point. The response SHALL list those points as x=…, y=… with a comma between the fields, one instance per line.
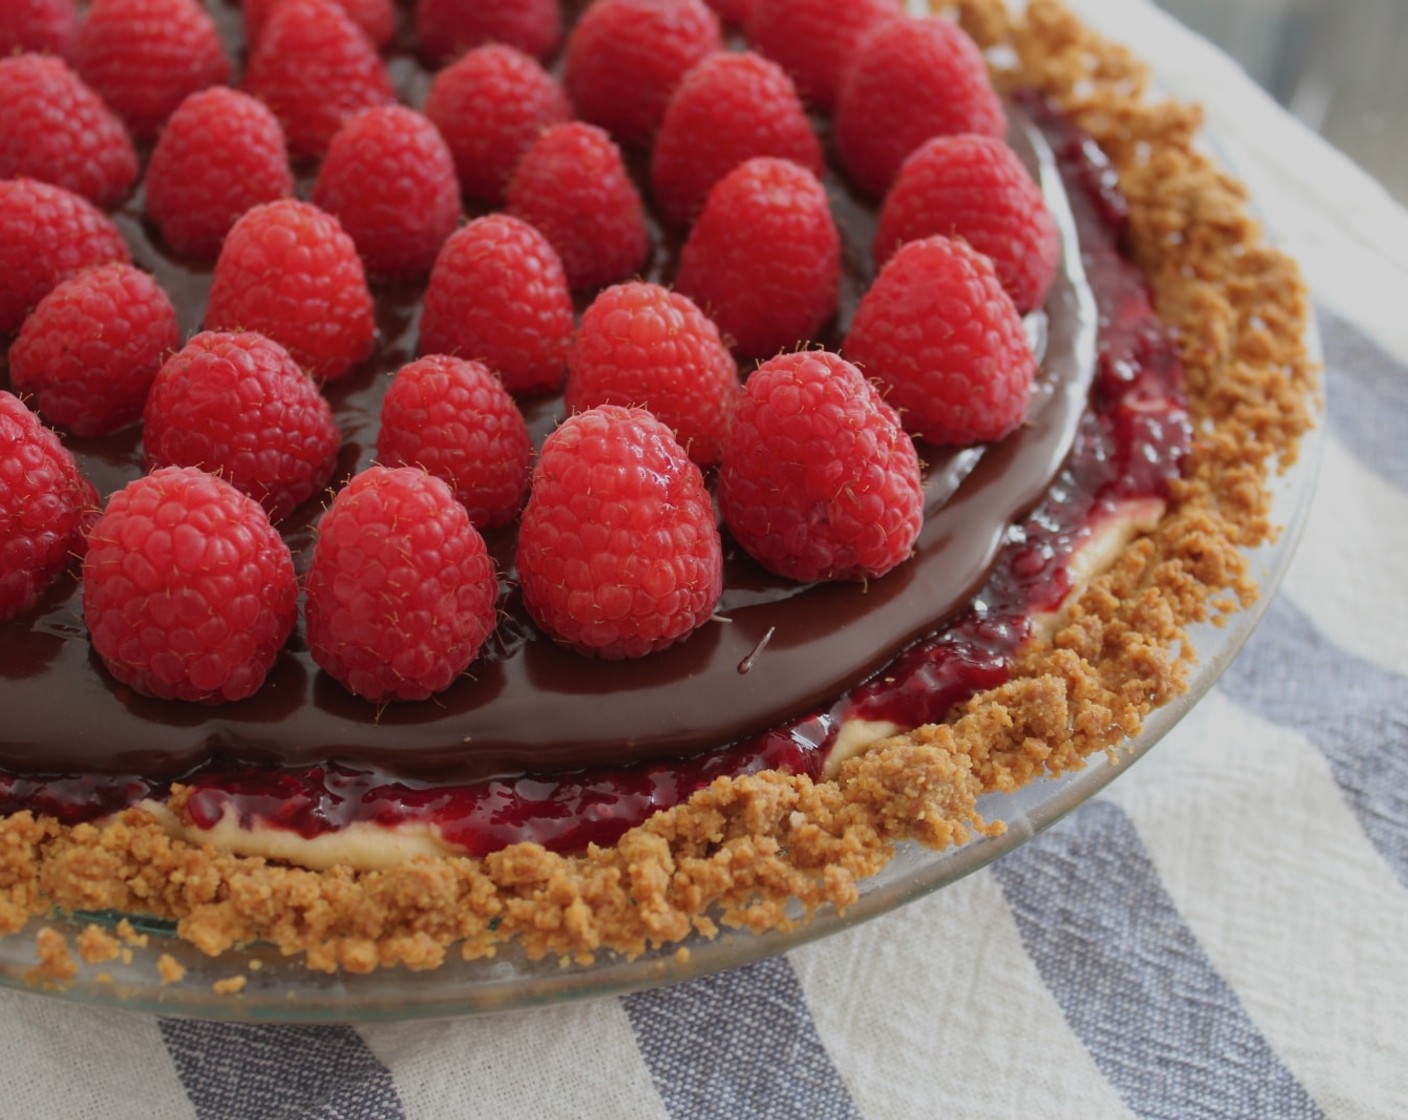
x=1223, y=933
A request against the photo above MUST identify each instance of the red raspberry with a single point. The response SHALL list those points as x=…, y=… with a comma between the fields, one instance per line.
x=390, y=180
x=448, y=27
x=490, y=106
x=456, y=420
x=238, y=406
x=221, y=153
x=188, y=592
x=290, y=272
x=729, y=108
x=45, y=505
x=618, y=553
x=57, y=130
x=50, y=26
x=944, y=341
x=642, y=344
x=401, y=590
x=813, y=40
x=376, y=18
x=819, y=480
x=910, y=79
x=625, y=57
x=498, y=295
x=90, y=349
x=314, y=68
x=764, y=259
x=144, y=57
x=975, y=188
x=573, y=187
x=46, y=235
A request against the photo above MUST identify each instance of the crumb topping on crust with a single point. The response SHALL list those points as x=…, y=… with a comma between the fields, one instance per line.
x=765, y=851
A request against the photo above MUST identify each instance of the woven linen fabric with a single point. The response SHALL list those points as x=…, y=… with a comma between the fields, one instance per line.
x=1222, y=933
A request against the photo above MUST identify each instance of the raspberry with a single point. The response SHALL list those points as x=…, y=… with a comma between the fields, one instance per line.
x=909, y=80
x=376, y=18
x=46, y=235
x=618, y=552
x=50, y=26
x=764, y=259
x=221, y=153
x=144, y=57
x=92, y=346
x=813, y=40
x=573, y=187
x=729, y=108
x=490, y=106
x=45, y=505
x=732, y=12
x=498, y=294
x=238, y=406
x=975, y=188
x=944, y=341
x=401, y=590
x=642, y=344
x=188, y=592
x=456, y=420
x=390, y=180
x=314, y=68
x=625, y=57
x=446, y=28
x=290, y=272
x=819, y=480
x=57, y=130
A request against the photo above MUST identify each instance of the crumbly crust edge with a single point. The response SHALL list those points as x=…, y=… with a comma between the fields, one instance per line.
x=766, y=851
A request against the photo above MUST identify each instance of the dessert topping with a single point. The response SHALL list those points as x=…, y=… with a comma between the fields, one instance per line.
x=401, y=589
x=819, y=481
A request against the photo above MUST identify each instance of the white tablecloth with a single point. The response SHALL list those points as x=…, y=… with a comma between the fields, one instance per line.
x=1223, y=933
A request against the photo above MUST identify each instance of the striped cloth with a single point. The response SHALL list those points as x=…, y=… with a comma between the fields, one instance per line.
x=1222, y=933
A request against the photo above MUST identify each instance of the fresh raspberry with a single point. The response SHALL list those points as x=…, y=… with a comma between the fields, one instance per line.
x=446, y=28
x=221, y=153
x=290, y=272
x=975, y=188
x=144, y=57
x=573, y=187
x=238, y=406
x=55, y=129
x=314, y=68
x=401, y=590
x=376, y=18
x=625, y=57
x=729, y=108
x=910, y=79
x=944, y=341
x=819, y=480
x=498, y=295
x=49, y=26
x=90, y=349
x=45, y=505
x=764, y=258
x=641, y=344
x=188, y=592
x=490, y=106
x=813, y=40
x=390, y=180
x=618, y=552
x=456, y=420
x=46, y=235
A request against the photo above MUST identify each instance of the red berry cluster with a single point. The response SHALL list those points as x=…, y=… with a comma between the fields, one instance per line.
x=190, y=592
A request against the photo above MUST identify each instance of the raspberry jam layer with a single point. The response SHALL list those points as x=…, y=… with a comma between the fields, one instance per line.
x=540, y=743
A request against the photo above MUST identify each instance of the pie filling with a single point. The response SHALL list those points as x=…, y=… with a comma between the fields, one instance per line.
x=539, y=743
